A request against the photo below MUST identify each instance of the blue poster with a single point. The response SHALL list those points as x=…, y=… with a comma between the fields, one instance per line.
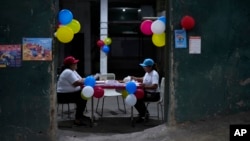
x=180, y=38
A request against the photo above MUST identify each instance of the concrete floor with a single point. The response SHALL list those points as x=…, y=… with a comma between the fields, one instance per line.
x=116, y=126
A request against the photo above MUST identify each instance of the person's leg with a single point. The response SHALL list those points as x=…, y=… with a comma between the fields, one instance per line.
x=140, y=107
x=80, y=105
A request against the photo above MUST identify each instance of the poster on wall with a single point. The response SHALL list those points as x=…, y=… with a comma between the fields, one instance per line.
x=180, y=38
x=10, y=56
x=37, y=49
x=194, y=45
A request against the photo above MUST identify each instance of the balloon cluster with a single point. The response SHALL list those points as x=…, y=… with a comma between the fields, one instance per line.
x=156, y=29
x=104, y=44
x=131, y=94
x=187, y=22
x=90, y=89
x=67, y=26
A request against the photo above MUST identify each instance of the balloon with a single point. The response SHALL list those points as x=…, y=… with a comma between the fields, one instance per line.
x=100, y=43
x=139, y=93
x=65, y=16
x=131, y=87
x=130, y=100
x=87, y=91
x=74, y=25
x=187, y=22
x=158, y=27
x=124, y=93
x=159, y=39
x=64, y=34
x=85, y=98
x=98, y=92
x=105, y=48
x=89, y=81
x=146, y=27
x=107, y=41
x=163, y=19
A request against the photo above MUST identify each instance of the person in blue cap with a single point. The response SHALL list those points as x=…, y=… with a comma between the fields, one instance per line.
x=150, y=84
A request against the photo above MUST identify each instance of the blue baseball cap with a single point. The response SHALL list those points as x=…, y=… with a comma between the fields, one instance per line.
x=147, y=62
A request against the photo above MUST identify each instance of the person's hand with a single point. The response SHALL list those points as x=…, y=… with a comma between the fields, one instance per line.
x=96, y=76
x=142, y=85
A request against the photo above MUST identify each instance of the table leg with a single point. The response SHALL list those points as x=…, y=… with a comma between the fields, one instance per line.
x=92, y=112
x=132, y=117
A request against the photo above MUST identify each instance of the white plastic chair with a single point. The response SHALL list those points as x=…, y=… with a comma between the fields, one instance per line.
x=109, y=92
x=107, y=76
x=160, y=101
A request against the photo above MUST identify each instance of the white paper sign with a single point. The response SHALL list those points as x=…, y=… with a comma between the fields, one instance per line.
x=194, y=45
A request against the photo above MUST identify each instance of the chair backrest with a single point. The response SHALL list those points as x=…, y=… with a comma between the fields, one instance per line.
x=162, y=88
x=107, y=76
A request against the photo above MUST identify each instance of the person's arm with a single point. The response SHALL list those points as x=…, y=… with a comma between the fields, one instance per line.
x=154, y=82
x=78, y=82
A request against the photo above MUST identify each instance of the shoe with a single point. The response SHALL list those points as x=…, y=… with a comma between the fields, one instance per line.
x=139, y=120
x=79, y=123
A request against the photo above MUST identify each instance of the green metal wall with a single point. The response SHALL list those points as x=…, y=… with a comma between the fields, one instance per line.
x=207, y=84
x=26, y=93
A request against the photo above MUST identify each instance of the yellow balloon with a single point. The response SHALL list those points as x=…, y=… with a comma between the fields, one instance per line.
x=64, y=34
x=159, y=40
x=74, y=25
x=124, y=93
x=107, y=41
x=83, y=97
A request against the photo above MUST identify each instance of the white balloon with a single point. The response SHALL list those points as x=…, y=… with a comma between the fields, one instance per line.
x=131, y=100
x=158, y=27
x=87, y=91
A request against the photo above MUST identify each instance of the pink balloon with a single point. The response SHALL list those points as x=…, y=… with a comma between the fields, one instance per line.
x=146, y=27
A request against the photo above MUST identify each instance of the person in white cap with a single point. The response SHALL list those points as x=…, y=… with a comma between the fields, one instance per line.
x=150, y=84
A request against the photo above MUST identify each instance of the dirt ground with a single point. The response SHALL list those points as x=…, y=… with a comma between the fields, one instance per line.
x=117, y=128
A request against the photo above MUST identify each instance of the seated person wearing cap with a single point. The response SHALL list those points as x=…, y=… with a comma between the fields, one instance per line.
x=69, y=86
x=150, y=84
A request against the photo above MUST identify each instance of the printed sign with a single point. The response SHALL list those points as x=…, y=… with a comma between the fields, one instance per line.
x=180, y=39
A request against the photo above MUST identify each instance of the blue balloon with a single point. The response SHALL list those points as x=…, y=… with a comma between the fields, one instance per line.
x=105, y=48
x=90, y=81
x=65, y=16
x=163, y=19
x=131, y=87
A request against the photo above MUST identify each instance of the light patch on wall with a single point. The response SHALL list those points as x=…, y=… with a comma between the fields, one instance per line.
x=240, y=103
